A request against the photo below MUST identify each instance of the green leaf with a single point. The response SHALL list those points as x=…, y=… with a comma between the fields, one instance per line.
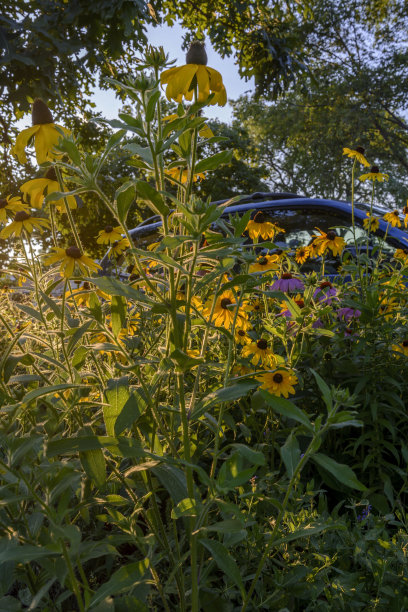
x=254, y=457
x=225, y=562
x=126, y=447
x=124, y=197
x=30, y=311
x=41, y=391
x=286, y=408
x=324, y=389
x=290, y=453
x=173, y=480
x=115, y=139
x=113, y=286
x=186, y=507
x=94, y=464
x=143, y=152
x=151, y=106
x=118, y=312
x=341, y=471
x=154, y=200
x=121, y=581
x=117, y=394
x=225, y=394
x=132, y=410
x=223, y=157
x=69, y=146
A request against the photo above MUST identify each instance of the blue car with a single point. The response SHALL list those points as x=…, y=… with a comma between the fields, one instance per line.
x=299, y=217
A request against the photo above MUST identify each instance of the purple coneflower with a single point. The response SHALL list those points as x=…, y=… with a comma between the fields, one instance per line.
x=287, y=283
x=348, y=313
x=325, y=293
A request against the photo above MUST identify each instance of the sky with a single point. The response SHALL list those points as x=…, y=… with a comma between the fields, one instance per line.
x=171, y=39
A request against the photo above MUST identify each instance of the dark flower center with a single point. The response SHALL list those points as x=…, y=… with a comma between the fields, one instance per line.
x=129, y=269
x=405, y=343
x=375, y=170
x=241, y=333
x=325, y=284
x=3, y=203
x=262, y=344
x=196, y=54
x=405, y=210
x=263, y=261
x=257, y=306
x=287, y=275
x=115, y=244
x=396, y=213
x=133, y=277
x=331, y=235
x=300, y=303
x=360, y=150
x=260, y=217
x=50, y=174
x=74, y=252
x=108, y=229
x=86, y=286
x=348, y=330
x=278, y=252
x=277, y=378
x=225, y=302
x=22, y=216
x=41, y=113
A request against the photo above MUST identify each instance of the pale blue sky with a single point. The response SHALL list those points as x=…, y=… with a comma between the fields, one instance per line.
x=170, y=39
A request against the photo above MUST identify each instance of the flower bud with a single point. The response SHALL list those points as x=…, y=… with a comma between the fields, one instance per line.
x=41, y=113
x=196, y=54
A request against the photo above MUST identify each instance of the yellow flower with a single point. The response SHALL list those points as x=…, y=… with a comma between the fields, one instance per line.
x=302, y=253
x=181, y=175
x=260, y=226
x=46, y=135
x=371, y=223
x=401, y=254
x=11, y=205
x=68, y=258
x=401, y=348
x=118, y=247
x=264, y=263
x=328, y=241
x=278, y=383
x=259, y=353
x=374, y=175
x=357, y=153
x=23, y=220
x=82, y=295
x=224, y=310
x=38, y=188
x=109, y=235
x=393, y=218
x=405, y=212
x=255, y=305
x=181, y=81
x=241, y=336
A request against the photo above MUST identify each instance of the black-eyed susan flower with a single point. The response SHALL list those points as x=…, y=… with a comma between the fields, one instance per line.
x=224, y=310
x=11, y=206
x=371, y=223
x=24, y=221
x=255, y=305
x=241, y=336
x=299, y=301
x=358, y=154
x=45, y=132
x=264, y=263
x=36, y=189
x=118, y=247
x=301, y=254
x=401, y=348
x=109, y=235
x=405, y=213
x=68, y=258
x=329, y=240
x=259, y=226
x=181, y=81
x=278, y=383
x=259, y=353
x=401, y=255
x=374, y=175
x=393, y=218
x=181, y=175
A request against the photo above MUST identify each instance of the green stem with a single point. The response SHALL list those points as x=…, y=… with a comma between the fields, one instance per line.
x=68, y=211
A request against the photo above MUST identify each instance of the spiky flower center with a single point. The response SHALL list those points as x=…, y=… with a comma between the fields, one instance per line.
x=225, y=302
x=260, y=217
x=3, y=203
x=360, y=150
x=263, y=261
x=375, y=170
x=22, y=216
x=196, y=54
x=241, y=333
x=405, y=210
x=405, y=343
x=287, y=276
x=300, y=303
x=262, y=344
x=86, y=286
x=74, y=252
x=325, y=284
x=108, y=229
x=395, y=213
x=331, y=235
x=277, y=378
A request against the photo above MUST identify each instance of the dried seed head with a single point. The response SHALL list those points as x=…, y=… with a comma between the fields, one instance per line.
x=41, y=113
x=196, y=54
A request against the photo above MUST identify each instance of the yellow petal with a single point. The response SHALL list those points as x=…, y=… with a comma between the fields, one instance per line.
x=180, y=82
x=46, y=139
x=167, y=74
x=69, y=267
x=22, y=141
x=203, y=82
x=216, y=83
